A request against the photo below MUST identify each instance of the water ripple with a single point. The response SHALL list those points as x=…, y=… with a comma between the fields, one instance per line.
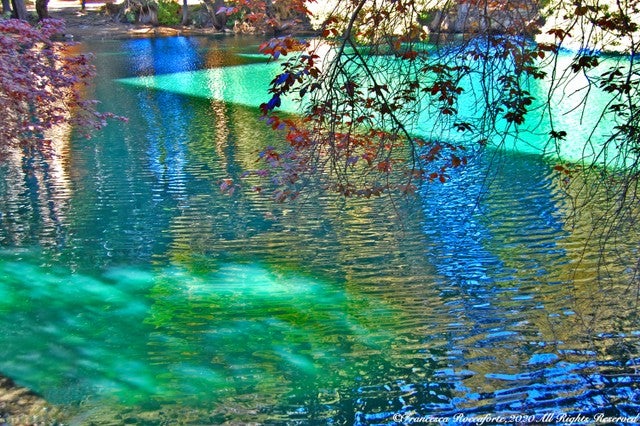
x=130, y=283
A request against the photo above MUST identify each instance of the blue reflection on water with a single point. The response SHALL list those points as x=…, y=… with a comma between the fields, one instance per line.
x=348, y=356
x=466, y=219
x=162, y=55
x=167, y=136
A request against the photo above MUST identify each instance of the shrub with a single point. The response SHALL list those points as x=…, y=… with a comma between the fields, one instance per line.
x=168, y=12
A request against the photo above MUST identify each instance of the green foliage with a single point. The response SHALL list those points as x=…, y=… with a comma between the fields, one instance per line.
x=130, y=16
x=426, y=16
x=233, y=18
x=168, y=12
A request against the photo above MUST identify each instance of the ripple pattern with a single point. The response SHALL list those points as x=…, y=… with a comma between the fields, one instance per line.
x=132, y=288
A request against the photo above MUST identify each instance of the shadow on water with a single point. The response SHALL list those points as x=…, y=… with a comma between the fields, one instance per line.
x=132, y=289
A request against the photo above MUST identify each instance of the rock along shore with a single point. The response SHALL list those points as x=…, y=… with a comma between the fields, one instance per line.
x=21, y=407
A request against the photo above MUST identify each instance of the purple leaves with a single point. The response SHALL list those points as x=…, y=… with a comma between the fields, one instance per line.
x=40, y=83
x=273, y=103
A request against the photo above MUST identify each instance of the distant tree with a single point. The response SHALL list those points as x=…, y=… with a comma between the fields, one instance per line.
x=215, y=10
x=19, y=9
x=40, y=84
x=42, y=9
x=185, y=12
x=6, y=6
x=262, y=16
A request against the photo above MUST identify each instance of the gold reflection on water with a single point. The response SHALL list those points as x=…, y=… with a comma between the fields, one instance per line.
x=602, y=243
x=397, y=312
x=41, y=173
x=220, y=120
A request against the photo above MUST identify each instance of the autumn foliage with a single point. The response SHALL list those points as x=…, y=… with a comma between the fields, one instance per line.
x=378, y=69
x=268, y=17
x=41, y=83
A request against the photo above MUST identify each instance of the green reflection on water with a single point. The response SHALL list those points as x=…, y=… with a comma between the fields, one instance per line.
x=156, y=336
x=248, y=85
x=245, y=85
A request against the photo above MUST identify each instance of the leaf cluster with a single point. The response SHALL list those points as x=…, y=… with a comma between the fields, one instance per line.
x=378, y=74
x=41, y=83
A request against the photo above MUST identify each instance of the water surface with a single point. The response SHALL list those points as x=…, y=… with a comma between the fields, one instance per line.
x=131, y=288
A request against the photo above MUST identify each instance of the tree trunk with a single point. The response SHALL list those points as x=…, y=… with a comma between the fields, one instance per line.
x=42, y=9
x=6, y=6
x=148, y=15
x=185, y=12
x=20, y=10
x=219, y=19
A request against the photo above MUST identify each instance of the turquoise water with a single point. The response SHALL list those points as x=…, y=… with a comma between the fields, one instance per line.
x=132, y=289
x=588, y=124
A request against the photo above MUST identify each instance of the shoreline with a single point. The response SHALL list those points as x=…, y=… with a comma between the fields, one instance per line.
x=22, y=406
x=93, y=24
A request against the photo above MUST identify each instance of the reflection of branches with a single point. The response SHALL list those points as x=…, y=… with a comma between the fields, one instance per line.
x=389, y=105
x=382, y=88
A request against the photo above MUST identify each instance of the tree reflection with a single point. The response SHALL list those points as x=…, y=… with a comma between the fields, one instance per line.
x=35, y=192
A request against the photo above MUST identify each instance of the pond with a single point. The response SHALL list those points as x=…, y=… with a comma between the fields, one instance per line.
x=133, y=290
